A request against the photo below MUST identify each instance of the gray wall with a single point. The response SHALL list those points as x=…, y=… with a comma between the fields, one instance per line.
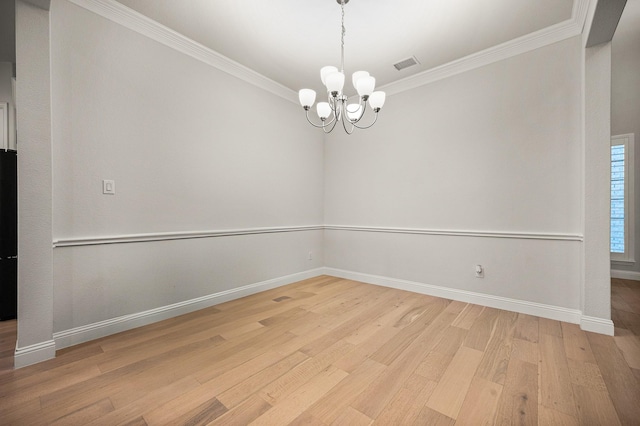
x=625, y=107
x=191, y=149
x=35, y=287
x=496, y=150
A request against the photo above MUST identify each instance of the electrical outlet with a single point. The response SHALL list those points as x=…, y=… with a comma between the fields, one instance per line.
x=479, y=271
x=109, y=187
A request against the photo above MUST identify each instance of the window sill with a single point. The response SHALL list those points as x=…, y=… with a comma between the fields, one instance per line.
x=623, y=262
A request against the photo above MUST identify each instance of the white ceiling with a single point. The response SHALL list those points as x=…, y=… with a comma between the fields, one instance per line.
x=289, y=41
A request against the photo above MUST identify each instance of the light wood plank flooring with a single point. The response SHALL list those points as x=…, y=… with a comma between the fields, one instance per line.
x=330, y=351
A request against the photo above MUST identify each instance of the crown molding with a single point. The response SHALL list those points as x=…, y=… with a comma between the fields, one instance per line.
x=129, y=18
x=120, y=14
x=546, y=36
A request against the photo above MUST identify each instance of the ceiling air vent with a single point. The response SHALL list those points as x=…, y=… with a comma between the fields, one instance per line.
x=406, y=63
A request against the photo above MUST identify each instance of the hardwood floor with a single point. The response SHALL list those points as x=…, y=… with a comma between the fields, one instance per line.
x=331, y=351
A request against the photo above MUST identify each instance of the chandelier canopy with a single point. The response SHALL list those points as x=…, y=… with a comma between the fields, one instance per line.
x=337, y=108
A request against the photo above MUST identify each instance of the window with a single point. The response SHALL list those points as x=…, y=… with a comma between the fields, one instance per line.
x=622, y=222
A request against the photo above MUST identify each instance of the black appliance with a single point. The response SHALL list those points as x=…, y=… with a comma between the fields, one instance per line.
x=8, y=235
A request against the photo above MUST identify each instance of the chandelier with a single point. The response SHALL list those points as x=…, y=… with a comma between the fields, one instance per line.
x=337, y=108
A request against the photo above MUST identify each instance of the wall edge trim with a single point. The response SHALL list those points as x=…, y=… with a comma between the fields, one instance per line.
x=33, y=354
x=187, y=235
x=625, y=275
x=460, y=233
x=111, y=326
x=530, y=308
x=597, y=325
x=166, y=236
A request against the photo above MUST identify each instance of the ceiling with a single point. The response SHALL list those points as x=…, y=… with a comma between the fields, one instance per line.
x=289, y=41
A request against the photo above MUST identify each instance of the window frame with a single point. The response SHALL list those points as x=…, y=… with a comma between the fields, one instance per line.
x=628, y=257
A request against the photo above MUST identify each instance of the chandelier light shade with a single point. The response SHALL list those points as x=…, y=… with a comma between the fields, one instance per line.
x=337, y=108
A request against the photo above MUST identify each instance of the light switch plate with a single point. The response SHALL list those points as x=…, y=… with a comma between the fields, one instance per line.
x=109, y=187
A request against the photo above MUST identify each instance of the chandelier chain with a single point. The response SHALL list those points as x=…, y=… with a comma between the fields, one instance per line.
x=342, y=39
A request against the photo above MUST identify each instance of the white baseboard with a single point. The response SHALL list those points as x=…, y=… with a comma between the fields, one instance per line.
x=625, y=275
x=46, y=350
x=531, y=308
x=96, y=330
x=33, y=354
x=597, y=325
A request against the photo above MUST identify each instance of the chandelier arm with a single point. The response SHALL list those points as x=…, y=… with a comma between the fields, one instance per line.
x=316, y=125
x=344, y=125
x=364, y=109
x=366, y=127
x=334, y=121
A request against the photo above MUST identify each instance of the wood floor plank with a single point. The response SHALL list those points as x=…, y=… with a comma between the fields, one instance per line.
x=549, y=416
x=482, y=329
x=525, y=351
x=576, y=345
x=518, y=403
x=468, y=316
x=31, y=388
x=306, y=419
x=630, y=348
x=555, y=381
x=406, y=405
x=550, y=327
x=86, y=414
x=204, y=319
x=329, y=407
x=353, y=359
x=288, y=383
x=203, y=414
x=433, y=418
x=413, y=311
x=437, y=361
x=586, y=374
x=390, y=351
x=236, y=375
x=595, y=407
x=405, y=310
x=621, y=383
x=527, y=328
x=479, y=406
x=234, y=395
x=231, y=356
x=352, y=417
x=240, y=330
x=498, y=351
x=244, y=413
x=452, y=388
x=185, y=407
x=302, y=398
x=132, y=411
x=29, y=410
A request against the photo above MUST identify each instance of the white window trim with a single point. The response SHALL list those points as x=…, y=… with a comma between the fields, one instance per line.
x=628, y=257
